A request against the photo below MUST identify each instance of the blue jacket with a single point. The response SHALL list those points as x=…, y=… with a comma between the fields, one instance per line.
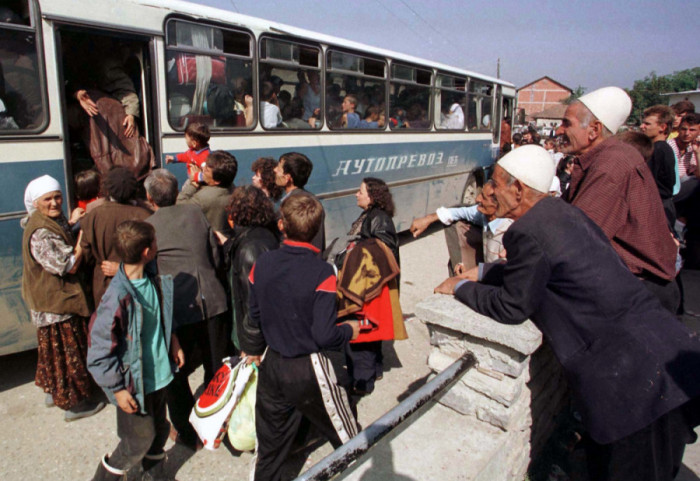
x=114, y=344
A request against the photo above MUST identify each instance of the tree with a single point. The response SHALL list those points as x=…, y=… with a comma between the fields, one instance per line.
x=574, y=95
x=647, y=92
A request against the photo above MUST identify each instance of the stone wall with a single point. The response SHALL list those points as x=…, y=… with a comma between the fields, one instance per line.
x=516, y=386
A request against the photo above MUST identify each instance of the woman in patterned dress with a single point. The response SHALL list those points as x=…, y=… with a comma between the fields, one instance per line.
x=58, y=305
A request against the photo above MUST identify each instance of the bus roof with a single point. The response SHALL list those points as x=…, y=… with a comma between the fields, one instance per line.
x=148, y=15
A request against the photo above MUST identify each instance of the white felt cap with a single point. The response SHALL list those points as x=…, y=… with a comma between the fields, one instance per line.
x=610, y=105
x=531, y=165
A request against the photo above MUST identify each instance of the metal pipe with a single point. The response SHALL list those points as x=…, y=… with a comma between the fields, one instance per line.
x=341, y=458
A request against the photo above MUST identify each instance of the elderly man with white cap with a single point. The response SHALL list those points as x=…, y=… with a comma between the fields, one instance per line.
x=612, y=184
x=58, y=305
x=633, y=368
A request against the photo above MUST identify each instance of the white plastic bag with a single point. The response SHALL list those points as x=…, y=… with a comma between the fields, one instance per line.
x=241, y=426
x=212, y=411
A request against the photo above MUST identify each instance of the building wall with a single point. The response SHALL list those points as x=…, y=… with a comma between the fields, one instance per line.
x=540, y=95
x=693, y=97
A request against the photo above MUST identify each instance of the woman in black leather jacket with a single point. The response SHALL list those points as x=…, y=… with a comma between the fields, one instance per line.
x=378, y=205
x=251, y=216
x=365, y=360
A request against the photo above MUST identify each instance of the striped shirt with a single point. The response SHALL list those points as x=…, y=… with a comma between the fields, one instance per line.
x=687, y=161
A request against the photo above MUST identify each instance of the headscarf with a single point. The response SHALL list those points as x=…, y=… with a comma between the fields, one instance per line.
x=37, y=188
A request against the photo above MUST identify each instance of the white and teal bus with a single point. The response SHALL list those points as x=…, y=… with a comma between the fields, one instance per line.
x=438, y=128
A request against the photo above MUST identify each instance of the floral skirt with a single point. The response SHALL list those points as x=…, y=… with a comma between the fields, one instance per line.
x=62, y=365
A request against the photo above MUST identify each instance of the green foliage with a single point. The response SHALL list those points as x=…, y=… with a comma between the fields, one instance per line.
x=578, y=91
x=647, y=92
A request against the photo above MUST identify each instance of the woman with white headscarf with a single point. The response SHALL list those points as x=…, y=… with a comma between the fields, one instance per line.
x=57, y=302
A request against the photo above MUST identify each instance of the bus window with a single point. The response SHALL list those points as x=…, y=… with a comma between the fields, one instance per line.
x=451, y=93
x=409, y=97
x=480, y=106
x=22, y=105
x=355, y=91
x=209, y=76
x=290, y=85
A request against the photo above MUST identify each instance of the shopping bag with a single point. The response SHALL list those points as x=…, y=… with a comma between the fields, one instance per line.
x=212, y=411
x=241, y=426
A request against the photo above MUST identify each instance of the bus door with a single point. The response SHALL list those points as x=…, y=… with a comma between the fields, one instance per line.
x=505, y=109
x=111, y=70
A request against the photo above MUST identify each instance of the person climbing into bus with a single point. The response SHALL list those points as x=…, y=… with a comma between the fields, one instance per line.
x=106, y=93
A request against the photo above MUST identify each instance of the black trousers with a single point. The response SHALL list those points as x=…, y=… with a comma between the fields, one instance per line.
x=654, y=453
x=288, y=391
x=141, y=435
x=204, y=343
x=365, y=363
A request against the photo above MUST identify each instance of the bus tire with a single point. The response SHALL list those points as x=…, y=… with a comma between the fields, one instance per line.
x=472, y=188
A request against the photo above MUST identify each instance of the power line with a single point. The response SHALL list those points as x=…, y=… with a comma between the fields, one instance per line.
x=395, y=16
x=421, y=18
x=421, y=34
x=235, y=7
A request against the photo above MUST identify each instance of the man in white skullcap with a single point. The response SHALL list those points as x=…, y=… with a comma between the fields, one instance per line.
x=633, y=368
x=613, y=185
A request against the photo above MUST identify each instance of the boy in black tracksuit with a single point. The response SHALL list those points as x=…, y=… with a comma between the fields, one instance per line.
x=293, y=312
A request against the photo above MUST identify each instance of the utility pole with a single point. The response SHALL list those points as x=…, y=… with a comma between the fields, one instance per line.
x=498, y=68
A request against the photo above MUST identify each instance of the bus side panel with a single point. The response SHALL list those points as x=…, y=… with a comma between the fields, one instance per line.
x=16, y=330
x=411, y=201
x=15, y=177
x=410, y=166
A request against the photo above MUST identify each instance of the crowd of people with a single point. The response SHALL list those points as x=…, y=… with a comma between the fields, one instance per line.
x=597, y=271
x=145, y=282
x=176, y=278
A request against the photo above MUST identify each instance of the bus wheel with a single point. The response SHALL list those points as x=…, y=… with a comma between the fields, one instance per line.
x=471, y=190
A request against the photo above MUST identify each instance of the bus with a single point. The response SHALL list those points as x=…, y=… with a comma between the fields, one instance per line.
x=436, y=127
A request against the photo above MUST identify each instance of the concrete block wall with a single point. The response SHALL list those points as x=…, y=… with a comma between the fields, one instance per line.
x=516, y=386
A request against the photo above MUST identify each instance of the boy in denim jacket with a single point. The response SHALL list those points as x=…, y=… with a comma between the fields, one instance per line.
x=130, y=338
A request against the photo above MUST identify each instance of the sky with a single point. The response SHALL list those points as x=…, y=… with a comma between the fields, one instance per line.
x=577, y=43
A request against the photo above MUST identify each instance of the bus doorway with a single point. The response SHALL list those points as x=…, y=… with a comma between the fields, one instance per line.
x=107, y=108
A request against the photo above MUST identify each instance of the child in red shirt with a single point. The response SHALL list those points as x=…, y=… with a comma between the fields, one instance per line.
x=197, y=139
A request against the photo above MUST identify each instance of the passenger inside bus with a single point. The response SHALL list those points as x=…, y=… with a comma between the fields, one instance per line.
x=451, y=113
x=309, y=91
x=215, y=90
x=270, y=116
x=347, y=112
x=283, y=99
x=417, y=117
x=293, y=116
x=410, y=107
